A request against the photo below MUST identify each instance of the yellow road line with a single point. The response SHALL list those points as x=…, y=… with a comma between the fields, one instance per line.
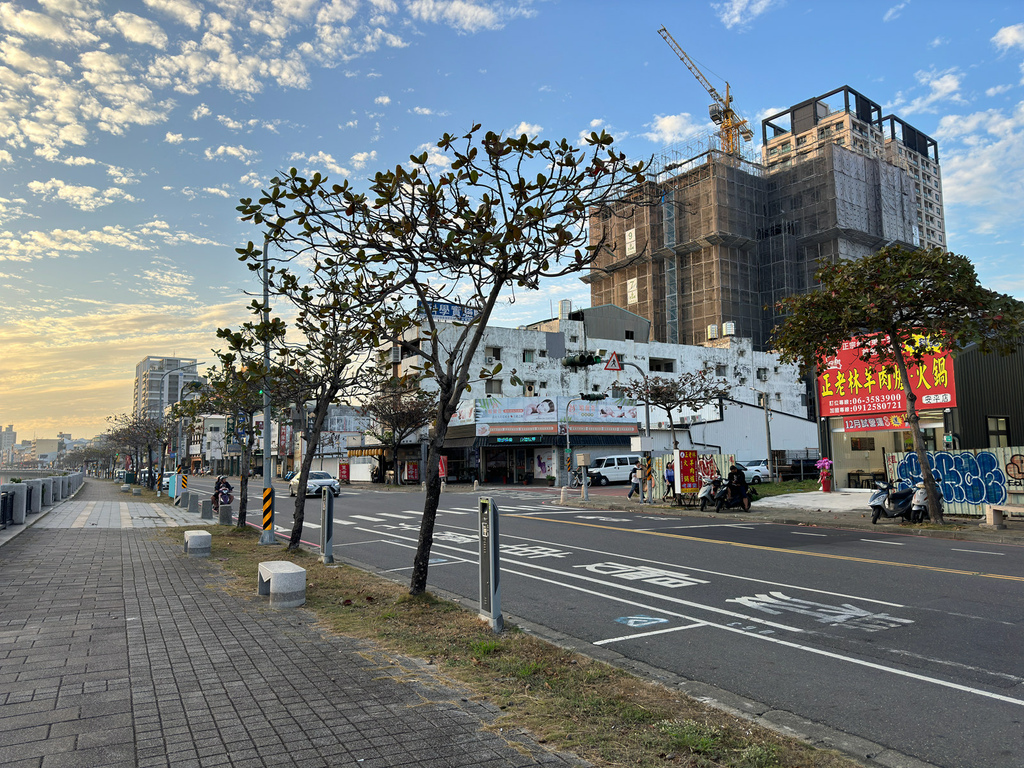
x=764, y=548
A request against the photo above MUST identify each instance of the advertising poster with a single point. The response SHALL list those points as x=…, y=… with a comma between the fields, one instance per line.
x=848, y=385
x=686, y=471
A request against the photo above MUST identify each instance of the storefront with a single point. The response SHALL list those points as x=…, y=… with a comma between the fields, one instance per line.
x=864, y=410
x=519, y=440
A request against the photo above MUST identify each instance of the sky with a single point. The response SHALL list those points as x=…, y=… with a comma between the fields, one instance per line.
x=130, y=130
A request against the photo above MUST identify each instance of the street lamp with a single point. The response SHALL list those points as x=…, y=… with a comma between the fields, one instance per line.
x=647, y=418
x=162, y=450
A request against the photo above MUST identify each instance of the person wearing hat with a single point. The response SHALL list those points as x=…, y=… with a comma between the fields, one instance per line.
x=736, y=486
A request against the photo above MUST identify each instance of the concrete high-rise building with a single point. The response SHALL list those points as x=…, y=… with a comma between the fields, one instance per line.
x=716, y=238
x=7, y=440
x=159, y=382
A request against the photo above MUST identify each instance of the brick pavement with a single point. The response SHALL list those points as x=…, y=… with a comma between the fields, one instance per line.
x=115, y=650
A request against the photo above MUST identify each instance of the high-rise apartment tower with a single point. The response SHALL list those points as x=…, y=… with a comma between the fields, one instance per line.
x=159, y=382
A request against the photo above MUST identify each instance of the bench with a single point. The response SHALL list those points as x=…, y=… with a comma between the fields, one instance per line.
x=995, y=514
x=284, y=582
x=197, y=543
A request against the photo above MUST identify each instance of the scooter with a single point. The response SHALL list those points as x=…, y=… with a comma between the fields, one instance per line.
x=919, y=505
x=888, y=502
x=722, y=500
x=708, y=491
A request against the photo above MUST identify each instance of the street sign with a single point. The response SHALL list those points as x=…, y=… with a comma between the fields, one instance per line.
x=613, y=364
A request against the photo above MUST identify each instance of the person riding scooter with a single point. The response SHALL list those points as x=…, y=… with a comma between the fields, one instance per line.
x=736, y=487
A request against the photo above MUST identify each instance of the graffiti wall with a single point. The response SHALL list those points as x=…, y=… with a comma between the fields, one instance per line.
x=968, y=479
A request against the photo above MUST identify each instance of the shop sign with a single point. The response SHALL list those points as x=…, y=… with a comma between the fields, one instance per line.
x=885, y=421
x=343, y=471
x=848, y=385
x=412, y=471
x=445, y=311
x=686, y=471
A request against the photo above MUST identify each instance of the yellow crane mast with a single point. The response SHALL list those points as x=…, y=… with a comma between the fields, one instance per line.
x=731, y=127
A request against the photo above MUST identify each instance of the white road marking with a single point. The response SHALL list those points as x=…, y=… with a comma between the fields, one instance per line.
x=648, y=634
x=802, y=533
x=979, y=552
x=307, y=524
x=400, y=517
x=458, y=511
x=878, y=541
x=339, y=521
x=369, y=519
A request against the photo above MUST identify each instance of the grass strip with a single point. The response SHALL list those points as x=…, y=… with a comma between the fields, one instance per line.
x=564, y=699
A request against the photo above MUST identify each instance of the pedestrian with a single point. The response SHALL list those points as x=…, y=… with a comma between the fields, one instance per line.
x=670, y=480
x=634, y=482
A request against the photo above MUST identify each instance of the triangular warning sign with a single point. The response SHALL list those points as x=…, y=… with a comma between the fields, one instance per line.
x=613, y=363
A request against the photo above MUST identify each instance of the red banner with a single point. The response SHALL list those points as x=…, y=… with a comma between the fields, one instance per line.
x=343, y=471
x=686, y=471
x=848, y=385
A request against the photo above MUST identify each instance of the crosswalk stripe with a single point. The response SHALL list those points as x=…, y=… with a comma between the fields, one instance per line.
x=368, y=518
x=400, y=517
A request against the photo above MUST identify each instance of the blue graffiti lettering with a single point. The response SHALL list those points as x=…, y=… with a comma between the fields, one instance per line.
x=963, y=477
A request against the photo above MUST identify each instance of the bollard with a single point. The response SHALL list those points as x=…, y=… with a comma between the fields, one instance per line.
x=476, y=485
x=225, y=517
x=423, y=485
x=36, y=498
x=327, y=527
x=193, y=503
x=207, y=509
x=565, y=495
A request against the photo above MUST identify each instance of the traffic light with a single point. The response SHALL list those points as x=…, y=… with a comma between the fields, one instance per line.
x=592, y=395
x=581, y=360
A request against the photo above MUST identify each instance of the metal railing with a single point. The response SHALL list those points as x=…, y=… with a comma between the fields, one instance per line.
x=6, y=509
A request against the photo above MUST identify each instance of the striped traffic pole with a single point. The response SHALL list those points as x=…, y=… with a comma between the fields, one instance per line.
x=267, y=537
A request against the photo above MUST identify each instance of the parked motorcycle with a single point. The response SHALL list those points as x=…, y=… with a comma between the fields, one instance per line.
x=891, y=503
x=919, y=506
x=708, y=491
x=722, y=500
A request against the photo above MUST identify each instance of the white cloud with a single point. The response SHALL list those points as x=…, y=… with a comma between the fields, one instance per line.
x=136, y=29
x=252, y=179
x=938, y=41
x=360, y=159
x=942, y=86
x=228, y=122
x=180, y=10
x=77, y=160
x=173, y=138
x=5, y=156
x=421, y=111
x=324, y=160
x=35, y=25
x=894, y=12
x=740, y=13
x=200, y=112
x=1009, y=37
x=435, y=157
x=671, y=129
x=382, y=100
x=84, y=198
x=995, y=90
x=530, y=129
x=238, y=152
x=216, y=191
x=350, y=124
x=122, y=175
x=460, y=14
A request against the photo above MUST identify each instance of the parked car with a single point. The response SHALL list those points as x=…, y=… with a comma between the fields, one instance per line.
x=612, y=469
x=756, y=471
x=315, y=483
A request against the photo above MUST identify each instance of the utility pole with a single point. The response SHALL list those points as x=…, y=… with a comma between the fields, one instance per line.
x=767, y=430
x=267, y=537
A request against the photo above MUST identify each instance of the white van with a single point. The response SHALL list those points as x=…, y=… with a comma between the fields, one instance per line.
x=613, y=469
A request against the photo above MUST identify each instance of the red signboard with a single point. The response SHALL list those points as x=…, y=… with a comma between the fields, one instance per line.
x=850, y=386
x=686, y=471
x=343, y=471
x=443, y=467
x=412, y=472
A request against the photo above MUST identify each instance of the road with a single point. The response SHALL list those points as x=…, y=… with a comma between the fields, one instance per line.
x=910, y=642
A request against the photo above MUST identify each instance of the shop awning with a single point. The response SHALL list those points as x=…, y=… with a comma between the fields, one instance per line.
x=460, y=442
x=378, y=451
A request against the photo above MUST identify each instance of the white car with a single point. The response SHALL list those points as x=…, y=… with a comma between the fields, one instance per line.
x=756, y=471
x=315, y=483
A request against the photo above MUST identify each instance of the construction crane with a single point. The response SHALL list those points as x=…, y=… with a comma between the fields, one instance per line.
x=731, y=127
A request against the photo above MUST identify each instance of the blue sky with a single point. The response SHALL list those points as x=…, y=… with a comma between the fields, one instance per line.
x=128, y=132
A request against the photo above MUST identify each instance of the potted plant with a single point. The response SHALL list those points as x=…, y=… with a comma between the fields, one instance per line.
x=550, y=479
x=824, y=466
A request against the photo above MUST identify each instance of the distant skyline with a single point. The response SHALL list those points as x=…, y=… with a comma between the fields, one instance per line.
x=128, y=132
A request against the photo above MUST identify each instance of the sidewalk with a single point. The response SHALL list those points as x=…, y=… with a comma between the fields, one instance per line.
x=115, y=650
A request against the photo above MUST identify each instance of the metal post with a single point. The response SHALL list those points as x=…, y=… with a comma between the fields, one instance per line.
x=327, y=527
x=490, y=573
x=267, y=537
x=768, y=438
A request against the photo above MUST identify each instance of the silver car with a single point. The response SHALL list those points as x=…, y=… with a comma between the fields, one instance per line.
x=316, y=482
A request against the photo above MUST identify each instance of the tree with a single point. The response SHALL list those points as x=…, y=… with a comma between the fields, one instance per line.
x=897, y=305
x=461, y=224
x=235, y=391
x=132, y=433
x=690, y=389
x=399, y=409
x=325, y=352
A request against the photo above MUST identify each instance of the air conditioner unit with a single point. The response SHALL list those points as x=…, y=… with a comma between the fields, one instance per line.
x=712, y=331
x=489, y=360
x=729, y=329
x=762, y=375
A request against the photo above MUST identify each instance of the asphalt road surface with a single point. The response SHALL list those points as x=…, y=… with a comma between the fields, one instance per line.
x=911, y=642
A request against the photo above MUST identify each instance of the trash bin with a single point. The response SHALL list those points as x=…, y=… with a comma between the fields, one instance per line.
x=129, y=478
x=826, y=483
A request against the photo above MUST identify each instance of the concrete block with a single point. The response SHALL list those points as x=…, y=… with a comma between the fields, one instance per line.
x=126, y=489
x=37, y=495
x=225, y=517
x=136, y=491
x=193, y=503
x=207, y=507
x=284, y=582
x=20, y=491
x=197, y=543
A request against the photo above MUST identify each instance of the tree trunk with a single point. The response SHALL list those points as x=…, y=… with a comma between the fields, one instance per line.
x=418, y=582
x=913, y=420
x=243, y=476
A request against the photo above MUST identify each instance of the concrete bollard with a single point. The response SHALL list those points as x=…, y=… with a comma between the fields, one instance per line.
x=476, y=485
x=207, y=509
x=55, y=485
x=564, y=499
x=193, y=503
x=20, y=501
x=198, y=543
x=225, y=517
x=65, y=489
x=423, y=485
x=444, y=486
x=37, y=496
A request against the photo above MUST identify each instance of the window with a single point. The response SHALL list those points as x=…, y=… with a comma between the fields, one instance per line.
x=574, y=339
x=862, y=444
x=527, y=355
x=494, y=352
x=493, y=387
x=762, y=374
x=998, y=432
x=629, y=336
x=542, y=353
x=721, y=370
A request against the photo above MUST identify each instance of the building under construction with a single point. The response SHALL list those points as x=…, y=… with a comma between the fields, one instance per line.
x=716, y=238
